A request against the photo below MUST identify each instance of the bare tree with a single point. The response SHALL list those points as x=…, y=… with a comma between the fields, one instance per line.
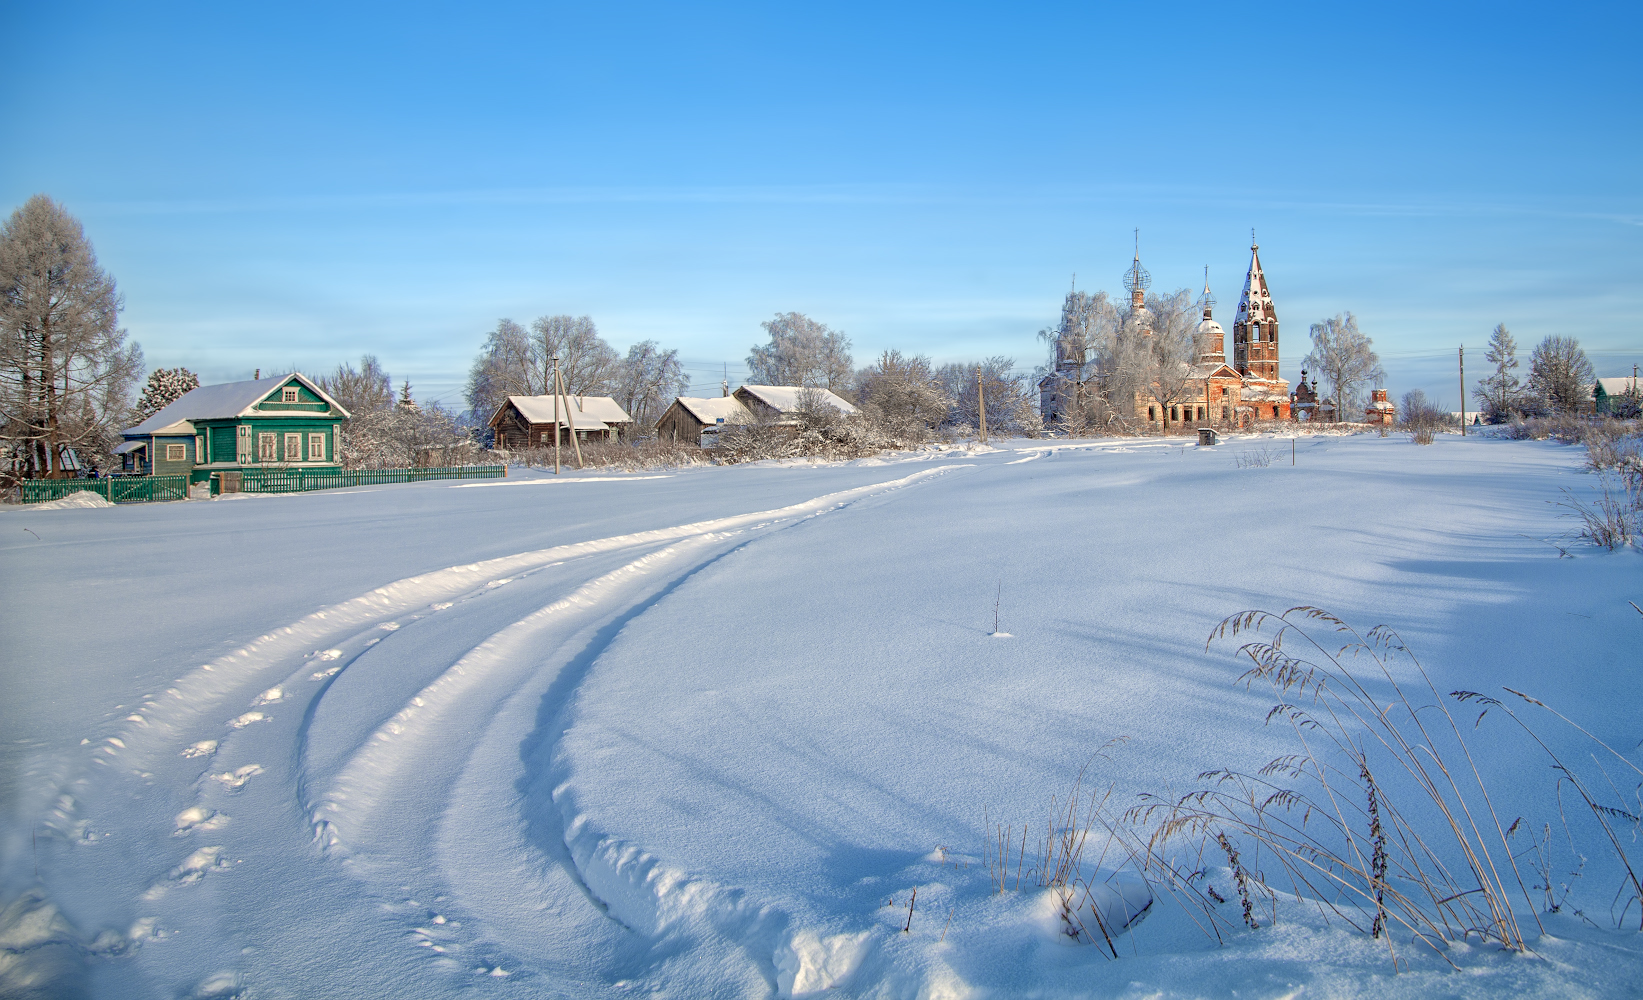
x=647, y=378
x=361, y=391
x=1011, y=407
x=1164, y=359
x=1344, y=357
x=1561, y=375
x=517, y=362
x=503, y=368
x=587, y=365
x=1498, y=392
x=66, y=371
x=802, y=352
x=902, y=395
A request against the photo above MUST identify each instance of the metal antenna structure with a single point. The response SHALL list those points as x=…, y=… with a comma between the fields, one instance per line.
x=1137, y=278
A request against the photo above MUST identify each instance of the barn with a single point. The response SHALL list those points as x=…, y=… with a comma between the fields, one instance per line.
x=698, y=420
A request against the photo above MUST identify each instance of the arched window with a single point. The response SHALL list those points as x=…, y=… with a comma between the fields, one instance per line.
x=1152, y=414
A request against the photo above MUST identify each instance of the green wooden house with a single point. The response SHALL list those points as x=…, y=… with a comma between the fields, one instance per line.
x=286, y=422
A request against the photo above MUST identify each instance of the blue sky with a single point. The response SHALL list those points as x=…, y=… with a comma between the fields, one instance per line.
x=297, y=184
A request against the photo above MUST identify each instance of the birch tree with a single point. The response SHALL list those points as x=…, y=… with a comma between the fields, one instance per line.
x=517, y=362
x=66, y=370
x=1561, y=374
x=802, y=352
x=1344, y=357
x=647, y=380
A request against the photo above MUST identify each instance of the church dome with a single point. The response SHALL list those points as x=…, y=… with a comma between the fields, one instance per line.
x=1210, y=328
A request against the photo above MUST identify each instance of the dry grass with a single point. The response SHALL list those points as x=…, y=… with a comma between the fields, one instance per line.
x=1332, y=824
x=1256, y=458
x=616, y=455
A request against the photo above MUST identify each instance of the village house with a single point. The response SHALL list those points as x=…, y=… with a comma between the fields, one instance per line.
x=699, y=420
x=285, y=422
x=524, y=422
x=1605, y=390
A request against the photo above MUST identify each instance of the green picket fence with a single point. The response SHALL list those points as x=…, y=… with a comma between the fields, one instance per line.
x=114, y=489
x=302, y=480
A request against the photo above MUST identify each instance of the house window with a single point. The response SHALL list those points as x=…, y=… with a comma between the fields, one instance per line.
x=176, y=453
x=288, y=394
x=1223, y=413
x=266, y=447
x=1200, y=413
x=316, y=447
x=293, y=447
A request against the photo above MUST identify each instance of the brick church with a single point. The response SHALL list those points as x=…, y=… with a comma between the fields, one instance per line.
x=1210, y=390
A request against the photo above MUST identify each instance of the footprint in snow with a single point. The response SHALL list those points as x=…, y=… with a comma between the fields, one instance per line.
x=268, y=697
x=199, y=818
x=389, y=626
x=320, y=675
x=197, y=864
x=247, y=719
x=204, y=748
x=236, y=779
x=329, y=654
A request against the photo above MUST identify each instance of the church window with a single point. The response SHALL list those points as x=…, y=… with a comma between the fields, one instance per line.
x=1175, y=413
x=1200, y=413
x=1151, y=414
x=1223, y=413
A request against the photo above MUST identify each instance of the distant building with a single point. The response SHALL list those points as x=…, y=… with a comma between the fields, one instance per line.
x=524, y=422
x=286, y=422
x=1605, y=390
x=782, y=403
x=1380, y=412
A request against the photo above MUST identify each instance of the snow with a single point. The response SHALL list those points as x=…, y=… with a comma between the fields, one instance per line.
x=80, y=499
x=712, y=409
x=594, y=413
x=705, y=733
x=786, y=398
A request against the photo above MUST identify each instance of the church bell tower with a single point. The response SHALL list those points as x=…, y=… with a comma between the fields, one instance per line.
x=1255, y=328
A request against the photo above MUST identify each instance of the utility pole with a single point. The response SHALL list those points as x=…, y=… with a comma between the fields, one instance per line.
x=1463, y=390
x=981, y=398
x=559, y=387
x=555, y=391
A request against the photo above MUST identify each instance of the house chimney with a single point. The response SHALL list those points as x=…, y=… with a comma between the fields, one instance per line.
x=257, y=376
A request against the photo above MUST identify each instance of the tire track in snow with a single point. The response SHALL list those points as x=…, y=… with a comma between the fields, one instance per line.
x=165, y=743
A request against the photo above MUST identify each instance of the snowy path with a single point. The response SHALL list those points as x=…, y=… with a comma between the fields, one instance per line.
x=698, y=755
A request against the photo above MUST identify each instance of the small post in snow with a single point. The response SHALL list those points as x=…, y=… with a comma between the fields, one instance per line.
x=1292, y=452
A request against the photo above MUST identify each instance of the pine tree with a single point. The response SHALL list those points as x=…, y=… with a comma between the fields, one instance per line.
x=165, y=386
x=405, y=400
x=1499, y=392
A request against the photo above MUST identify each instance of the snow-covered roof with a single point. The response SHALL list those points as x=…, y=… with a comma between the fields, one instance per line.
x=712, y=409
x=122, y=448
x=592, y=413
x=1255, y=303
x=228, y=399
x=785, y=398
x=1616, y=386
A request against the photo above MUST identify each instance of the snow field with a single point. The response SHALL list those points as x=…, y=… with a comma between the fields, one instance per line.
x=715, y=754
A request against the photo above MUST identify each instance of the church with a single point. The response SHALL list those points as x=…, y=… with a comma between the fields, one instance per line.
x=1188, y=392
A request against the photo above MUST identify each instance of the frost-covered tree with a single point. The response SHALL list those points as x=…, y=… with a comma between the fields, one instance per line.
x=1344, y=357
x=647, y=380
x=902, y=395
x=66, y=370
x=1163, y=358
x=1498, y=391
x=802, y=352
x=406, y=400
x=165, y=386
x=1561, y=375
x=361, y=391
x=1012, y=406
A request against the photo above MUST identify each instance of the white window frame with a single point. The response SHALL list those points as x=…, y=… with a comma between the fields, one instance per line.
x=293, y=446
x=316, y=447
x=289, y=394
x=268, y=444
x=181, y=452
x=199, y=449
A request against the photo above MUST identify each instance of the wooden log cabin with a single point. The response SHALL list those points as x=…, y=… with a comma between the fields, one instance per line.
x=524, y=422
